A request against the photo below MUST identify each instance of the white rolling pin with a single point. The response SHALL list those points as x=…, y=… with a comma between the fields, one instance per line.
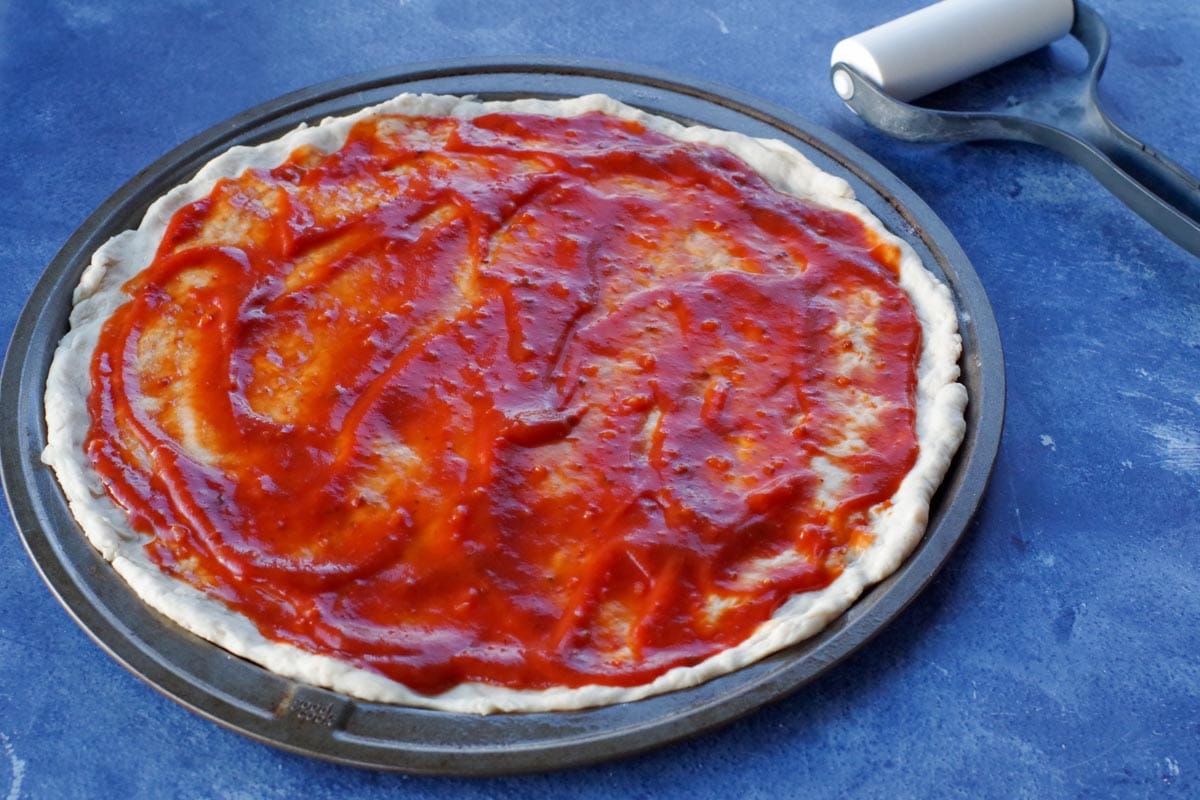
x=948, y=41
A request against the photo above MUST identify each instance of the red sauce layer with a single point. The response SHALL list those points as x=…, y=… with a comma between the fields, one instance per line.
x=521, y=400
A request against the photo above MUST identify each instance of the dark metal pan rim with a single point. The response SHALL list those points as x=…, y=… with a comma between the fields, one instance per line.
x=324, y=724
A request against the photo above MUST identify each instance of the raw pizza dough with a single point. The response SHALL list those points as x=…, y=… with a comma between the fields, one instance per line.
x=896, y=529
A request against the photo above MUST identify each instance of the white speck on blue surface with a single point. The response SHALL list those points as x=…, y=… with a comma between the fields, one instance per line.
x=16, y=766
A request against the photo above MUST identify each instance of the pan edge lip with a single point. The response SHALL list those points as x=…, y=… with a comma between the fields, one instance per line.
x=25, y=504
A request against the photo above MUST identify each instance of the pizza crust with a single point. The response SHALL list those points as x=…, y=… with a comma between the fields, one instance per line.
x=897, y=529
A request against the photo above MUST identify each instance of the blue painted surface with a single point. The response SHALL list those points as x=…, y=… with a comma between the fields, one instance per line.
x=1058, y=655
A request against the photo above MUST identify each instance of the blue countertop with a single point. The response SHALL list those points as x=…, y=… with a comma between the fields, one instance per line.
x=1058, y=653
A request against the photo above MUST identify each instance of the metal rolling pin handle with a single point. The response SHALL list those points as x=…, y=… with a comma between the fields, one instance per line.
x=1064, y=115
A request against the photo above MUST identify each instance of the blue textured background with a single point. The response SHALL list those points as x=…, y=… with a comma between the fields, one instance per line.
x=1058, y=655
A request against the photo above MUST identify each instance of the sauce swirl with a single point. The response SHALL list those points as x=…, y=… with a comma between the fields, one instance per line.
x=520, y=400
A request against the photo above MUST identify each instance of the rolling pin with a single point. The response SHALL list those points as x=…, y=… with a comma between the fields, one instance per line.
x=878, y=71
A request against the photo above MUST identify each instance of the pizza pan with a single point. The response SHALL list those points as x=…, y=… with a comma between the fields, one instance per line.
x=320, y=723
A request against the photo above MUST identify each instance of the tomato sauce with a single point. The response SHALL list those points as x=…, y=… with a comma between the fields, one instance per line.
x=519, y=400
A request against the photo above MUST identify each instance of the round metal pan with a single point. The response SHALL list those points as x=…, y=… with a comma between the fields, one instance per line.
x=246, y=698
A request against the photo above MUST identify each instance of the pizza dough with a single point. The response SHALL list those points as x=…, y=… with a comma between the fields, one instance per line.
x=612, y=339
